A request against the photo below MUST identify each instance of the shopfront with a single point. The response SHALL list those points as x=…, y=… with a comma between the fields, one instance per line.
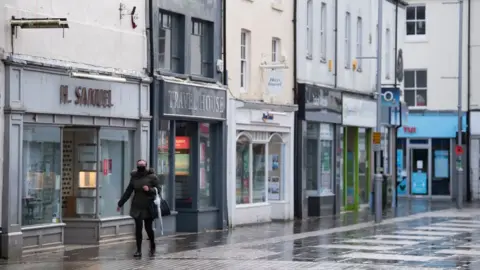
x=320, y=149
x=359, y=118
x=70, y=146
x=425, y=144
x=191, y=166
x=260, y=162
x=474, y=153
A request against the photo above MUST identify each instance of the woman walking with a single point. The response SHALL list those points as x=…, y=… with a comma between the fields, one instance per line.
x=143, y=183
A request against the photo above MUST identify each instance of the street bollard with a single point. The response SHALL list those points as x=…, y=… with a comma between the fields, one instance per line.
x=378, y=197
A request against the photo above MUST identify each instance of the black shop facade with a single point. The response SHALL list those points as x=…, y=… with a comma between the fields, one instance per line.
x=189, y=126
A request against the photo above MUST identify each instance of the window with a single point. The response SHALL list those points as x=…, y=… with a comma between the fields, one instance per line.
x=170, y=40
x=116, y=163
x=276, y=50
x=41, y=201
x=184, y=177
x=244, y=60
x=309, y=28
x=416, y=20
x=319, y=159
x=201, y=56
x=347, y=41
x=205, y=182
x=323, y=33
x=275, y=168
x=415, y=88
x=243, y=172
x=388, y=52
x=163, y=169
x=259, y=172
x=359, y=43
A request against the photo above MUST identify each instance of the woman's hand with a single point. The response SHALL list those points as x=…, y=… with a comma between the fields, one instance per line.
x=118, y=209
x=146, y=188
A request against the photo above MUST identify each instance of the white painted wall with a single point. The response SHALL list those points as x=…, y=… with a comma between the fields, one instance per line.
x=97, y=36
x=474, y=55
x=264, y=20
x=437, y=52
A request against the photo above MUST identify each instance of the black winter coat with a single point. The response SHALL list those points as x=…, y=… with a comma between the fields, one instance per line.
x=142, y=200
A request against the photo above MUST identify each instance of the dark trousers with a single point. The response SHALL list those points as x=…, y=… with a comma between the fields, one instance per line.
x=148, y=229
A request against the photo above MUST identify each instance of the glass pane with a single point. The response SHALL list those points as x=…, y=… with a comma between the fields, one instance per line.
x=275, y=169
x=411, y=28
x=409, y=97
x=441, y=166
x=421, y=80
x=162, y=163
x=421, y=28
x=41, y=195
x=362, y=166
x=243, y=170
x=410, y=13
x=421, y=97
x=421, y=13
x=409, y=81
x=206, y=182
x=195, y=55
x=259, y=192
x=419, y=173
x=184, y=179
x=116, y=163
x=312, y=147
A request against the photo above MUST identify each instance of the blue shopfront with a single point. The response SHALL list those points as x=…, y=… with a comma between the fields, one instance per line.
x=425, y=154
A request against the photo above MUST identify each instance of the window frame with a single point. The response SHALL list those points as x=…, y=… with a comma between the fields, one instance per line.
x=323, y=32
x=245, y=36
x=282, y=182
x=309, y=30
x=359, y=47
x=388, y=52
x=415, y=88
x=276, y=49
x=175, y=26
x=204, y=30
x=348, y=41
x=416, y=20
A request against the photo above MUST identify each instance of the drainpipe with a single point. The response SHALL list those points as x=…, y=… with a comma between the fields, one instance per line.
x=395, y=129
x=224, y=43
x=335, y=63
x=297, y=167
x=154, y=102
x=469, y=12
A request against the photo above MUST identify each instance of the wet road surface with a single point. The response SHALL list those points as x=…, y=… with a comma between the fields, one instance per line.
x=417, y=235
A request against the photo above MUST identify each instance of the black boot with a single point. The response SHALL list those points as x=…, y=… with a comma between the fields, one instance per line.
x=153, y=248
x=137, y=254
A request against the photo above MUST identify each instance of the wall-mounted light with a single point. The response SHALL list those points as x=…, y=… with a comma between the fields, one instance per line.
x=97, y=77
x=354, y=64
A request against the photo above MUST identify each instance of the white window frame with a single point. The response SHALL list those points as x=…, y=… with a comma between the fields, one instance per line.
x=309, y=30
x=323, y=32
x=276, y=49
x=415, y=88
x=348, y=41
x=245, y=36
x=359, y=50
x=416, y=21
x=282, y=168
x=388, y=52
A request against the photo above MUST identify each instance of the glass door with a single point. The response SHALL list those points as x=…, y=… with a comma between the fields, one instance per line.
x=419, y=171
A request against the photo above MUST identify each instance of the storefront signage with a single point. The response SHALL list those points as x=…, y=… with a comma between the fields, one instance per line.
x=359, y=112
x=87, y=96
x=267, y=116
x=410, y=130
x=275, y=81
x=322, y=104
x=191, y=101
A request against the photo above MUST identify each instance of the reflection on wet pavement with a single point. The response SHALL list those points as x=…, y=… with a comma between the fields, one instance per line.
x=412, y=237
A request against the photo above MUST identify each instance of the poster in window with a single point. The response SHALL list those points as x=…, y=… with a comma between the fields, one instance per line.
x=441, y=163
x=274, y=188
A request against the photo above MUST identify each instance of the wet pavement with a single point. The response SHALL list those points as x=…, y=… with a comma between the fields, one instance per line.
x=418, y=234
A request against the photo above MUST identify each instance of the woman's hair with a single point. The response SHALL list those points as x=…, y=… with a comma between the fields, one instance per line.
x=142, y=160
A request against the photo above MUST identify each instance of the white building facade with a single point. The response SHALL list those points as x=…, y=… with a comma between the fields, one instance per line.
x=75, y=112
x=427, y=139
x=336, y=71
x=260, y=110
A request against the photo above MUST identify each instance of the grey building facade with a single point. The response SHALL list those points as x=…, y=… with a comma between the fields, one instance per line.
x=188, y=108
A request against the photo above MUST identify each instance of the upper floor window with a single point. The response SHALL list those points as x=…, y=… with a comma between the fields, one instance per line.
x=388, y=52
x=309, y=30
x=244, y=60
x=348, y=41
x=170, y=42
x=201, y=54
x=359, y=43
x=323, y=33
x=276, y=50
x=415, y=87
x=416, y=20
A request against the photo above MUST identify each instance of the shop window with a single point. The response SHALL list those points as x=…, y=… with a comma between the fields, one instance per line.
x=320, y=150
x=163, y=169
x=184, y=178
x=401, y=160
x=243, y=172
x=363, y=166
x=440, y=166
x=205, y=167
x=276, y=168
x=41, y=195
x=259, y=172
x=116, y=163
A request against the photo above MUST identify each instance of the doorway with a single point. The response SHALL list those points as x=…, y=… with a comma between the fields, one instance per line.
x=419, y=171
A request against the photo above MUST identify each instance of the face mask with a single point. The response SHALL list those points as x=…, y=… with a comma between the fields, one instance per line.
x=141, y=168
